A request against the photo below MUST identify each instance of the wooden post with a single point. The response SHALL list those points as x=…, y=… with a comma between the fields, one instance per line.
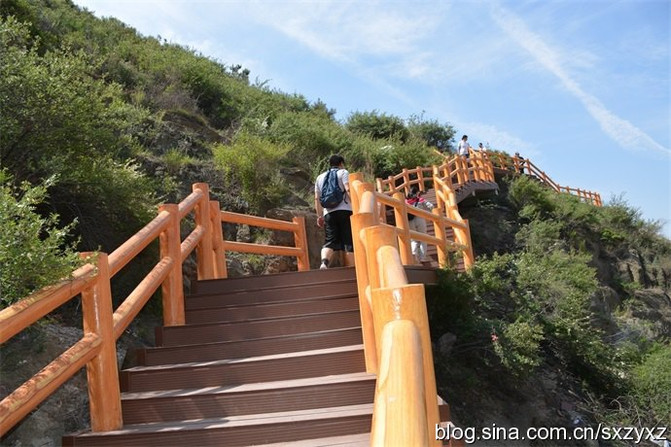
x=376, y=237
x=420, y=178
x=469, y=258
x=360, y=221
x=218, y=241
x=301, y=242
x=475, y=160
x=399, y=396
x=380, y=185
x=409, y=303
x=204, y=250
x=401, y=216
x=172, y=288
x=439, y=229
x=463, y=170
x=102, y=371
x=406, y=181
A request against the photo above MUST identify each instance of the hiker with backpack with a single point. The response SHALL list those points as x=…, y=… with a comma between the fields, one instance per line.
x=417, y=223
x=334, y=208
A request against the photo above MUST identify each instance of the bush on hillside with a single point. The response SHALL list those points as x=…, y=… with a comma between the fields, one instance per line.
x=253, y=162
x=652, y=384
x=434, y=134
x=34, y=251
x=377, y=126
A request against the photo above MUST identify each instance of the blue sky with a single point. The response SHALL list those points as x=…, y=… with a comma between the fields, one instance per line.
x=582, y=88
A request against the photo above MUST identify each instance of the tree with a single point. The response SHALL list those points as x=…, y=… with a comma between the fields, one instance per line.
x=34, y=252
x=378, y=126
x=440, y=136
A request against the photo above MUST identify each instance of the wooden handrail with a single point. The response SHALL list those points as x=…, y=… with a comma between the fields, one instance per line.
x=24, y=313
x=102, y=325
x=520, y=165
x=296, y=226
x=405, y=371
x=399, y=390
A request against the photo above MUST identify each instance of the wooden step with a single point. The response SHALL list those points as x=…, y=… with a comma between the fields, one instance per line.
x=245, y=330
x=273, y=281
x=295, y=365
x=297, y=292
x=418, y=274
x=263, y=397
x=233, y=431
x=248, y=348
x=229, y=314
x=358, y=440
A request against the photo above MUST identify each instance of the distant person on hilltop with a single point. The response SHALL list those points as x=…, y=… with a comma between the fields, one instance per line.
x=464, y=148
x=520, y=160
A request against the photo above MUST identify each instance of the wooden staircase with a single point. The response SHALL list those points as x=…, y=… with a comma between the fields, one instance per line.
x=263, y=360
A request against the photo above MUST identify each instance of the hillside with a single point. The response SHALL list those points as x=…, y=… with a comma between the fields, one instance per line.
x=566, y=316
x=564, y=321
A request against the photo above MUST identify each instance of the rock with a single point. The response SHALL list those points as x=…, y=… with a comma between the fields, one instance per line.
x=315, y=235
x=234, y=267
x=446, y=343
x=243, y=234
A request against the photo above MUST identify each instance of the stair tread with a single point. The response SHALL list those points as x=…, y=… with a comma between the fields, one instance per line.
x=188, y=365
x=253, y=320
x=247, y=387
x=275, y=280
x=274, y=337
x=278, y=302
x=269, y=287
x=241, y=420
x=356, y=440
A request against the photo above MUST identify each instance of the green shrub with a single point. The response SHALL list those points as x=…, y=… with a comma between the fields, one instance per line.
x=34, y=251
x=652, y=384
x=312, y=138
x=378, y=126
x=518, y=347
x=175, y=160
x=253, y=162
x=435, y=135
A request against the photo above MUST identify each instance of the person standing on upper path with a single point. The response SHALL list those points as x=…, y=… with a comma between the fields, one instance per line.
x=464, y=148
x=334, y=208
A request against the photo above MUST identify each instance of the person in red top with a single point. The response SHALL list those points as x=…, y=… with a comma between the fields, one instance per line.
x=417, y=223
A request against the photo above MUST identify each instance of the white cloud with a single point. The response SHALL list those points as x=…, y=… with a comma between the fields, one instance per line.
x=351, y=31
x=620, y=130
x=499, y=139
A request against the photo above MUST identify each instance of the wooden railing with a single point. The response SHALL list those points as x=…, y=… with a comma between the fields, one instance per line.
x=394, y=320
x=521, y=165
x=455, y=172
x=395, y=327
x=102, y=325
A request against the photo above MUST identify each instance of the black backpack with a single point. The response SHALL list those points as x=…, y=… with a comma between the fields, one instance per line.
x=331, y=194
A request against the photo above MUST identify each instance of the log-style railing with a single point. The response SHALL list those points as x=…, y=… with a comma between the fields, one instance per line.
x=395, y=327
x=102, y=325
x=455, y=171
x=520, y=165
x=394, y=320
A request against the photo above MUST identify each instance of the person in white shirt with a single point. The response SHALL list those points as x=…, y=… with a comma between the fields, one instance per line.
x=464, y=147
x=336, y=220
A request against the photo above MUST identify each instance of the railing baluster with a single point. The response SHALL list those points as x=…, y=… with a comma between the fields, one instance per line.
x=102, y=372
x=204, y=249
x=172, y=288
x=221, y=270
